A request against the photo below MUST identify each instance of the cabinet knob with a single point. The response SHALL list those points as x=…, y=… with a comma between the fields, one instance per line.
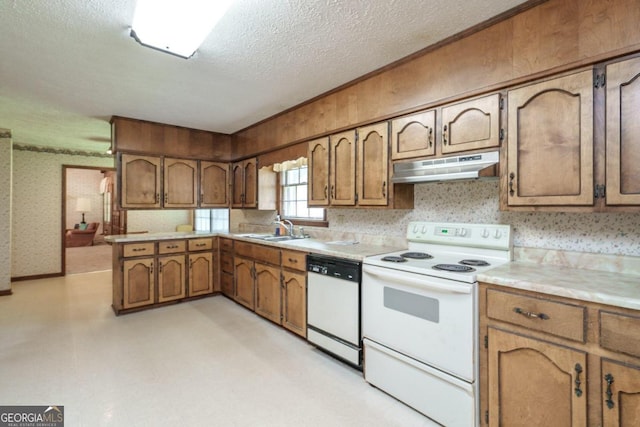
x=384, y=189
x=609, y=401
x=444, y=135
x=512, y=176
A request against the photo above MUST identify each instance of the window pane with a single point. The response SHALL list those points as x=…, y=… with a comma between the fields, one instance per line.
x=294, y=196
x=303, y=175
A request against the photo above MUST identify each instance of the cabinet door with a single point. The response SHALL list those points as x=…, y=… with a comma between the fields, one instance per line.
x=237, y=185
x=139, y=284
x=413, y=136
x=200, y=273
x=343, y=168
x=243, y=276
x=171, y=278
x=226, y=284
x=140, y=181
x=180, y=183
x=318, y=190
x=214, y=184
x=294, y=302
x=471, y=125
x=373, y=165
x=620, y=394
x=268, y=297
x=535, y=383
x=250, y=168
x=550, y=148
x=623, y=133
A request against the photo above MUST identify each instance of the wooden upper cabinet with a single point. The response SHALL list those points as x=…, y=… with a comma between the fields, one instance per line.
x=413, y=136
x=318, y=157
x=533, y=382
x=140, y=181
x=550, y=143
x=373, y=165
x=471, y=125
x=244, y=185
x=343, y=168
x=623, y=133
x=214, y=184
x=180, y=183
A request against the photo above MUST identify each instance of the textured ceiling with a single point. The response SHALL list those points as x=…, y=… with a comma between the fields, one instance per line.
x=67, y=66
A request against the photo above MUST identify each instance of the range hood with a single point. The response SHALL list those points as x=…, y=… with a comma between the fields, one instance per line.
x=470, y=166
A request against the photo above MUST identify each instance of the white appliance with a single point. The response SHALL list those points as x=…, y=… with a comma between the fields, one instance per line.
x=333, y=307
x=420, y=317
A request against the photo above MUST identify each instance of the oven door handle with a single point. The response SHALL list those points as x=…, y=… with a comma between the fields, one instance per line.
x=440, y=287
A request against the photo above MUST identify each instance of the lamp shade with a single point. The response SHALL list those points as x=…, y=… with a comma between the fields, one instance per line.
x=83, y=204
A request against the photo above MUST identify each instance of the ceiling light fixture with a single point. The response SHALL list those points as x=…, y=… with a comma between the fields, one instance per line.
x=176, y=26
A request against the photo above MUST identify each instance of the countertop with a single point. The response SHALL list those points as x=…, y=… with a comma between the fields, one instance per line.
x=604, y=287
x=349, y=249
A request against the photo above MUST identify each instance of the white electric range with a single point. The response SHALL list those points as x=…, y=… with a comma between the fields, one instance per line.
x=420, y=316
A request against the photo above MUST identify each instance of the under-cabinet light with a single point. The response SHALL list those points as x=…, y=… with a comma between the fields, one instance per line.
x=176, y=26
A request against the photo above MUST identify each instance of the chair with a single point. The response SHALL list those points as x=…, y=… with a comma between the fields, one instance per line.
x=77, y=237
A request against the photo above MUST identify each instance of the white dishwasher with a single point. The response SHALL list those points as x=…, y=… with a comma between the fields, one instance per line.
x=333, y=307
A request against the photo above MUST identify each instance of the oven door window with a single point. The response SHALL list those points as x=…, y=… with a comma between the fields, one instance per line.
x=424, y=307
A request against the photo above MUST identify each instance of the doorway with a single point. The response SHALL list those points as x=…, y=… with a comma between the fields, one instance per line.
x=87, y=217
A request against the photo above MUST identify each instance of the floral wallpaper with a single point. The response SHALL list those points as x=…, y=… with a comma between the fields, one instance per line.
x=36, y=212
x=477, y=202
x=5, y=210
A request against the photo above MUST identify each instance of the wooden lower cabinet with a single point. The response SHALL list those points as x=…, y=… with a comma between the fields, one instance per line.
x=554, y=361
x=267, y=292
x=171, y=278
x=620, y=394
x=535, y=383
x=138, y=283
x=226, y=284
x=294, y=302
x=201, y=273
x=243, y=277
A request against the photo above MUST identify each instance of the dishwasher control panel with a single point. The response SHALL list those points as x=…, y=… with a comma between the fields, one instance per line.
x=339, y=268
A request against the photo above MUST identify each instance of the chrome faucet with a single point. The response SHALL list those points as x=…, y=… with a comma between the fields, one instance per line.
x=289, y=227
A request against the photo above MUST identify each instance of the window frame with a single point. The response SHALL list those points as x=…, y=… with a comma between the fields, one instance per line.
x=298, y=221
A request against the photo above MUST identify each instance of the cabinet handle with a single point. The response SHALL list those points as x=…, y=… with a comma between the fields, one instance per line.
x=151, y=269
x=333, y=192
x=577, y=382
x=511, y=178
x=198, y=245
x=201, y=197
x=444, y=135
x=160, y=268
x=191, y=264
x=326, y=194
x=530, y=314
x=294, y=261
x=609, y=379
x=384, y=189
x=157, y=197
x=139, y=249
x=166, y=198
x=430, y=137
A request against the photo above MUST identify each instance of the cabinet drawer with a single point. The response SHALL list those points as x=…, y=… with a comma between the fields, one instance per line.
x=171, y=246
x=552, y=317
x=137, y=249
x=201, y=244
x=620, y=332
x=226, y=245
x=226, y=263
x=267, y=254
x=294, y=259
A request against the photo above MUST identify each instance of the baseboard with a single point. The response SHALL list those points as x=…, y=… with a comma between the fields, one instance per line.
x=36, y=277
x=6, y=292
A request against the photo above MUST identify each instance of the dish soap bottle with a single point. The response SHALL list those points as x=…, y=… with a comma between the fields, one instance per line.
x=277, y=231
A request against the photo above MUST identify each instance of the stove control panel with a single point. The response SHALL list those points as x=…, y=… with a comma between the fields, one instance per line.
x=492, y=236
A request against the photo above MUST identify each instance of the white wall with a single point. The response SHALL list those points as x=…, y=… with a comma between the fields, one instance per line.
x=5, y=209
x=37, y=209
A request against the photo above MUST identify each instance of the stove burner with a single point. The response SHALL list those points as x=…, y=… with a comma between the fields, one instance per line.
x=454, y=267
x=475, y=262
x=416, y=255
x=393, y=258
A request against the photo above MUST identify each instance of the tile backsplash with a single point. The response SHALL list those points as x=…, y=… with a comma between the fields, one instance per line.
x=477, y=202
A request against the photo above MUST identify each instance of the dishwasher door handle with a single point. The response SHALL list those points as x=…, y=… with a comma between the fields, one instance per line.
x=424, y=283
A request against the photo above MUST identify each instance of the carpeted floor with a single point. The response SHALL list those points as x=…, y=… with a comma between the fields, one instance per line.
x=88, y=258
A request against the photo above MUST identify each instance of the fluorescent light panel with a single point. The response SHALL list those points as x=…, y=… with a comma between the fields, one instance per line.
x=176, y=26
